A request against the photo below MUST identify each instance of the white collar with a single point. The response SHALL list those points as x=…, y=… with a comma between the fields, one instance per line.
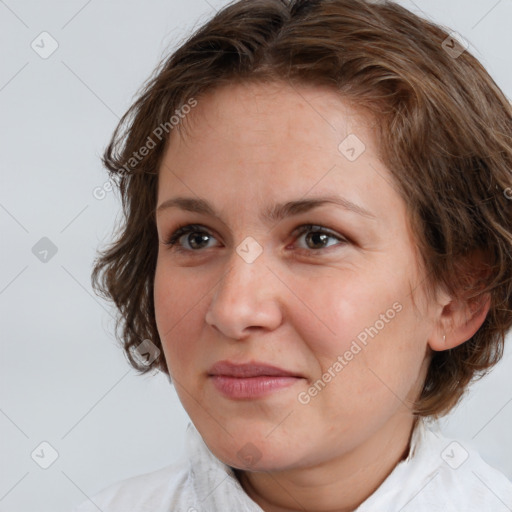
x=216, y=484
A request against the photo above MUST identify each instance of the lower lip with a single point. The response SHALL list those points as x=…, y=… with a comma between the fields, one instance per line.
x=251, y=387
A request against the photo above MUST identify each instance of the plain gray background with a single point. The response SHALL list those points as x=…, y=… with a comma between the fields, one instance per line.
x=63, y=379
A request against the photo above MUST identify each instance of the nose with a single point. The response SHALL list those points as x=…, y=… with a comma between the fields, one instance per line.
x=246, y=298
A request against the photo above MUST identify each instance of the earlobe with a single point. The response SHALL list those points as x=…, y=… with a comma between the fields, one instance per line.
x=459, y=321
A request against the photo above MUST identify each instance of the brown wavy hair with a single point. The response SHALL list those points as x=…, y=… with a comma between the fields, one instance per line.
x=445, y=132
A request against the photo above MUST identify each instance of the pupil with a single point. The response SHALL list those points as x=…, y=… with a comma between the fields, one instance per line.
x=195, y=237
x=322, y=236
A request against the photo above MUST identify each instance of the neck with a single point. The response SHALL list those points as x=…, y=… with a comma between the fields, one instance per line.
x=340, y=484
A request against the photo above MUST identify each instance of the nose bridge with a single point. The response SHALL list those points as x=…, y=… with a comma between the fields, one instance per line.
x=246, y=267
x=245, y=296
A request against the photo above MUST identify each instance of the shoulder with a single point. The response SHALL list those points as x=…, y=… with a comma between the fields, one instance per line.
x=189, y=484
x=451, y=476
x=442, y=475
x=467, y=480
x=148, y=491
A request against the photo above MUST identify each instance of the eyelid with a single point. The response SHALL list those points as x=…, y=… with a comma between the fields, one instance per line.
x=317, y=228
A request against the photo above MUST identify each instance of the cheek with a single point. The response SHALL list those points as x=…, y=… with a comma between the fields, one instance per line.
x=178, y=313
x=366, y=337
x=346, y=307
x=381, y=363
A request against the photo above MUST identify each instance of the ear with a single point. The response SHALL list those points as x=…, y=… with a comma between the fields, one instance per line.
x=458, y=321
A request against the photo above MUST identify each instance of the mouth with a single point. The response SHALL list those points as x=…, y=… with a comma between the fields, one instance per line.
x=250, y=380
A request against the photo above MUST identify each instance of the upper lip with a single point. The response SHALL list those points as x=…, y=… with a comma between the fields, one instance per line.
x=252, y=369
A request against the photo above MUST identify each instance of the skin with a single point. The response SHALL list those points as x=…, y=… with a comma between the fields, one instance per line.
x=298, y=305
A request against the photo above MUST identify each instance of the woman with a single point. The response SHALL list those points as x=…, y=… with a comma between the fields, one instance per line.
x=317, y=250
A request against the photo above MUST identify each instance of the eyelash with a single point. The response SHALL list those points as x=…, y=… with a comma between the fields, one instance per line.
x=172, y=240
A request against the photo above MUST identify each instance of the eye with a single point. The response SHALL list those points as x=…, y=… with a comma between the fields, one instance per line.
x=317, y=236
x=200, y=235
x=197, y=237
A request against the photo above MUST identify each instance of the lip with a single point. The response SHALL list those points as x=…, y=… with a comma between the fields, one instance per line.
x=250, y=380
x=252, y=369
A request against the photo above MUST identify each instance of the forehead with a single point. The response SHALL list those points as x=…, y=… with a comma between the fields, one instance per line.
x=249, y=112
x=251, y=143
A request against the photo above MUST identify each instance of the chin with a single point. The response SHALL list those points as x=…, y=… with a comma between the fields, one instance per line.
x=252, y=451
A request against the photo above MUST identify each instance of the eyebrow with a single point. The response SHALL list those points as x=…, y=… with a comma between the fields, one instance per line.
x=272, y=214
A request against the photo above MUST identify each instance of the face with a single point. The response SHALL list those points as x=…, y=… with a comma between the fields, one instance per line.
x=331, y=306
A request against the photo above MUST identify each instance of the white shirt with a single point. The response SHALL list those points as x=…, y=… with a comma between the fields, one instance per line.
x=439, y=474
